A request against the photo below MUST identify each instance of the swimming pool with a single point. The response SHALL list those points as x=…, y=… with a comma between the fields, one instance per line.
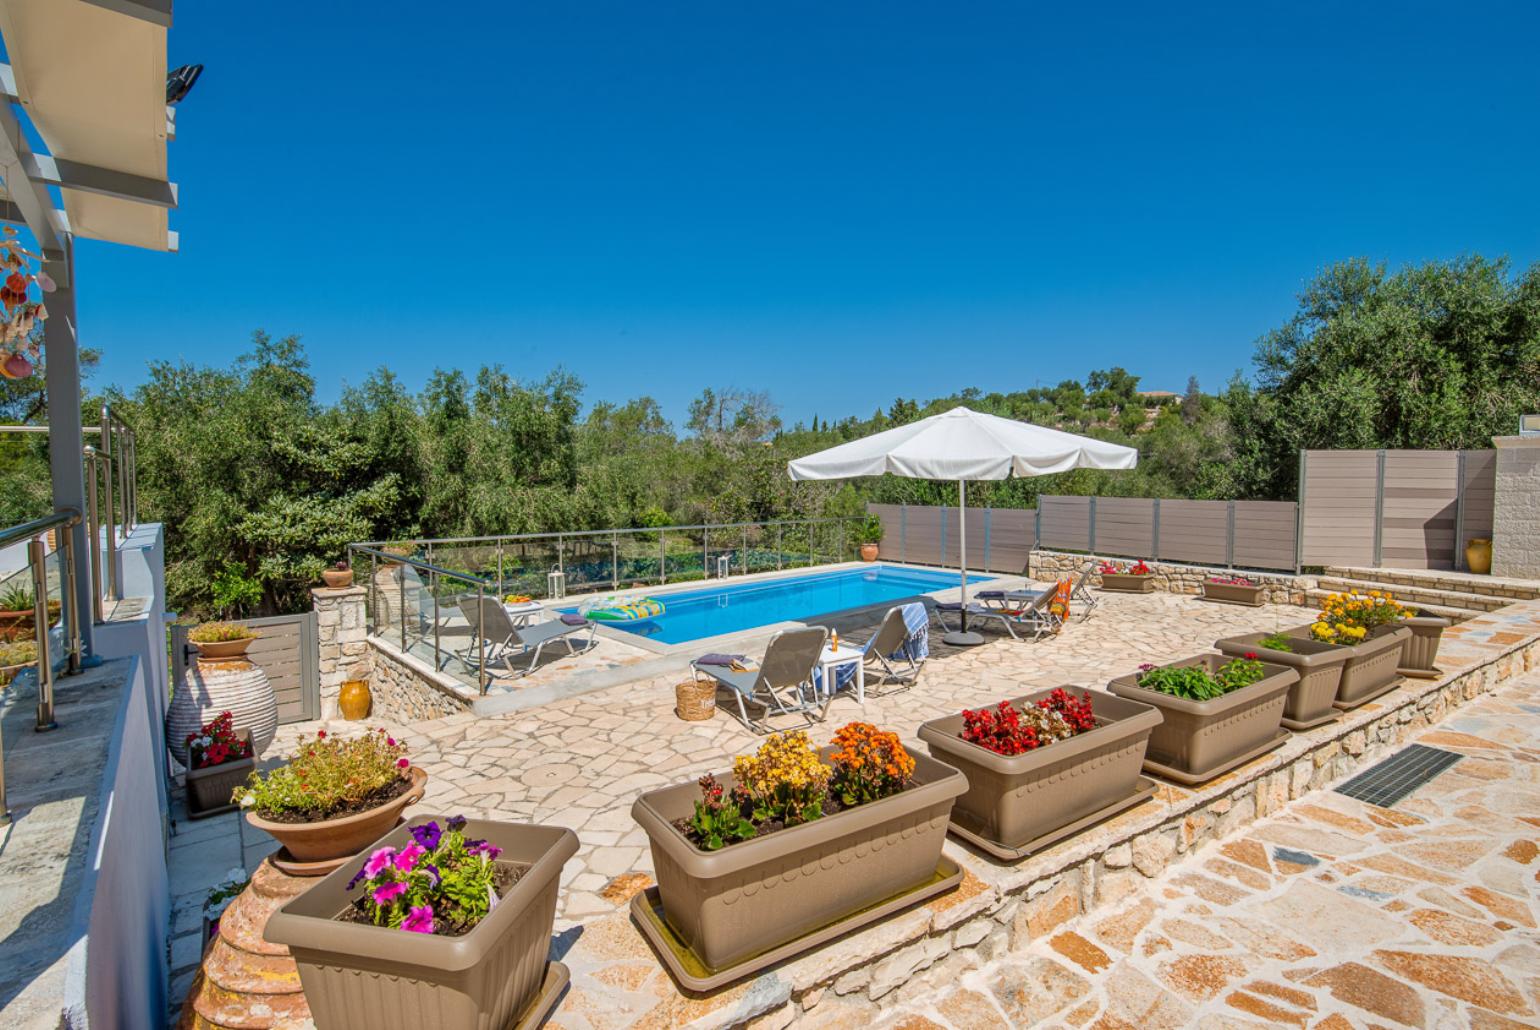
x=695, y=614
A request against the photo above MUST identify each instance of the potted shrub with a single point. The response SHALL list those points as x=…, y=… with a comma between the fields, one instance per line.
x=333, y=797
x=338, y=576
x=1369, y=627
x=446, y=924
x=1311, y=700
x=15, y=656
x=1020, y=756
x=1233, y=590
x=791, y=848
x=218, y=640
x=1127, y=579
x=219, y=760
x=869, y=535
x=1216, y=713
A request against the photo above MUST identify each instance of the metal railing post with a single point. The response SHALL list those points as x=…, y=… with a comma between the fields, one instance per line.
x=501, y=591
x=67, y=598
x=45, y=715
x=662, y=557
x=5, y=809
x=110, y=542
x=374, y=591
x=433, y=593
x=743, y=555
x=842, y=540
x=482, y=680
x=401, y=578
x=778, y=555
x=94, y=531
x=122, y=452
x=614, y=561
x=705, y=552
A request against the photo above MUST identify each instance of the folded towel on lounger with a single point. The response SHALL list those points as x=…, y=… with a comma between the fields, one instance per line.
x=573, y=619
x=725, y=660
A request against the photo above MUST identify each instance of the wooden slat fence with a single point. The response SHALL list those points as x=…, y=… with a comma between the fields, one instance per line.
x=288, y=651
x=1394, y=508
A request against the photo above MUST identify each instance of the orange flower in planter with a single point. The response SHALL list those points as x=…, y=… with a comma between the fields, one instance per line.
x=870, y=764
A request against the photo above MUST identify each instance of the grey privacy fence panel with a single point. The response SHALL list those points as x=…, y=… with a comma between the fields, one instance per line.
x=1394, y=508
x=1264, y=533
x=287, y=650
x=999, y=539
x=1196, y=531
x=1064, y=523
x=1125, y=525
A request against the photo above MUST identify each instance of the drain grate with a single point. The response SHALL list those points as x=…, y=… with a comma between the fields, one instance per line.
x=1398, y=775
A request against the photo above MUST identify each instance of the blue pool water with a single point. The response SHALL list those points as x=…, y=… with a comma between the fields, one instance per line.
x=694, y=614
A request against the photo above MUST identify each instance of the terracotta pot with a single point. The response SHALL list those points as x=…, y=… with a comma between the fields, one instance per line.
x=355, y=700
x=1234, y=593
x=1198, y=740
x=235, y=686
x=1018, y=800
x=1128, y=583
x=1478, y=556
x=208, y=790
x=339, y=839
x=337, y=579
x=362, y=977
x=730, y=905
x=219, y=649
x=868, y=552
x=1319, y=667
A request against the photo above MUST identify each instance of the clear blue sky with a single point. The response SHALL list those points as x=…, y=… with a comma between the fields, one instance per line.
x=837, y=202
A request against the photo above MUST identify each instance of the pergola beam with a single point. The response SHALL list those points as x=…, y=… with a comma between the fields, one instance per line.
x=74, y=175
x=29, y=196
x=157, y=12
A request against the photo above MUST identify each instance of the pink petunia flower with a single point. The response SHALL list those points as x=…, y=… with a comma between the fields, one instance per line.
x=378, y=862
x=419, y=919
x=407, y=858
x=388, y=892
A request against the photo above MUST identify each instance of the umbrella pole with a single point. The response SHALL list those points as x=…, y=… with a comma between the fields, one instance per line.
x=963, y=637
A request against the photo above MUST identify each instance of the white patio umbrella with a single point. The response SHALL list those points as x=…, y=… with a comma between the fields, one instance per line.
x=964, y=445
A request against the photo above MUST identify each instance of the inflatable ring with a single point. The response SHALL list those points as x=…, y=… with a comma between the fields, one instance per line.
x=611, y=609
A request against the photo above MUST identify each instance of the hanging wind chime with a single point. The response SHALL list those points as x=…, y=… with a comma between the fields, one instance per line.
x=20, y=350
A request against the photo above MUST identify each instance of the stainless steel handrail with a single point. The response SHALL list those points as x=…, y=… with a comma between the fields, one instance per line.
x=608, y=532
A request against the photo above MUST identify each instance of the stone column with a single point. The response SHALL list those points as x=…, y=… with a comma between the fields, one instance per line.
x=342, y=636
x=1516, y=508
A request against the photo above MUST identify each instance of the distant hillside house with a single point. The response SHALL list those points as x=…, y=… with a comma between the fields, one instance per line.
x=1158, y=396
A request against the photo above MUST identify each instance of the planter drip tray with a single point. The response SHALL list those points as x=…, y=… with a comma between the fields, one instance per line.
x=1143, y=791
x=1381, y=691
x=1299, y=726
x=1188, y=779
x=694, y=975
x=1421, y=674
x=556, y=979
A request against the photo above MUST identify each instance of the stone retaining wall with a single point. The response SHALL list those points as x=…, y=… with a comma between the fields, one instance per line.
x=999, y=908
x=405, y=691
x=1282, y=588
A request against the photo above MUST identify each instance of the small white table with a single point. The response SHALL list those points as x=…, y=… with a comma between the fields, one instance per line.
x=521, y=614
x=832, y=659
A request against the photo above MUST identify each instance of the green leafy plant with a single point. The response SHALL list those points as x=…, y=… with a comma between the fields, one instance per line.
x=718, y=819
x=234, y=591
x=220, y=632
x=1277, y=642
x=1194, y=683
x=327, y=776
x=869, y=531
x=17, y=598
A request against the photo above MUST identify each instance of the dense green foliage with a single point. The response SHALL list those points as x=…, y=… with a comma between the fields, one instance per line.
x=265, y=485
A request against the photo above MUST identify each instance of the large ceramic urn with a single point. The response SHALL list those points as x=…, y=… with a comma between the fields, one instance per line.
x=211, y=686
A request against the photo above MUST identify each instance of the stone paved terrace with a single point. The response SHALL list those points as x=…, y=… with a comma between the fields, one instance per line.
x=581, y=762
x=1333, y=914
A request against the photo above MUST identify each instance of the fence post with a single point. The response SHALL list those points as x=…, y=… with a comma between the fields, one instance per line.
x=1459, y=511
x=1091, y=519
x=1379, y=508
x=1037, y=525
x=1299, y=516
x=1155, y=529
x=988, y=518
x=903, y=531
x=1230, y=534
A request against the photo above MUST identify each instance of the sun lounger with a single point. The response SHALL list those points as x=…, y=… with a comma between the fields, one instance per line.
x=783, y=682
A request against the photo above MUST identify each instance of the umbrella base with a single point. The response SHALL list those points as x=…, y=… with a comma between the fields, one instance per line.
x=959, y=638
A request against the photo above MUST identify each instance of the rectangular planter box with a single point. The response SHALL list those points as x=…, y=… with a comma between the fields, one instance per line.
x=1198, y=740
x=1126, y=583
x=361, y=977
x=1234, y=593
x=1371, y=667
x=1013, y=800
x=1311, y=700
x=208, y=790
x=730, y=905
x=1420, y=650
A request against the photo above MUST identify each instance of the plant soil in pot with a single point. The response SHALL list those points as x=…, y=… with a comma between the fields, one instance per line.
x=1311, y=700
x=1200, y=739
x=221, y=759
x=332, y=799
x=415, y=975
x=778, y=887
x=1236, y=590
x=1131, y=579
x=1019, y=803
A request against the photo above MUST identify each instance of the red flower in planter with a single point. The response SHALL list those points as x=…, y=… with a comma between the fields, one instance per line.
x=1005, y=731
x=216, y=743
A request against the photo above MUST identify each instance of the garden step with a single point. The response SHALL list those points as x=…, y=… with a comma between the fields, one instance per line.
x=1442, y=579
x=1313, y=598
x=1417, y=594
